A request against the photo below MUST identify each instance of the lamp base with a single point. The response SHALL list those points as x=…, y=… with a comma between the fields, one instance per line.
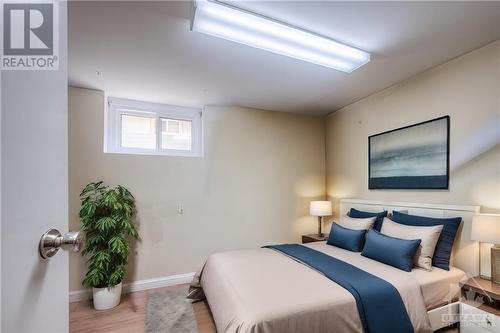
x=495, y=264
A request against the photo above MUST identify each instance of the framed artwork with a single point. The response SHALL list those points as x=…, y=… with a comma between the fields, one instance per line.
x=411, y=157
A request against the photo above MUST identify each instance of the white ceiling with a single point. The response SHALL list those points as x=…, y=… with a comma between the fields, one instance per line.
x=146, y=51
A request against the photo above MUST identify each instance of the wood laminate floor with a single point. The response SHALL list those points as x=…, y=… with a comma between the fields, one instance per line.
x=129, y=316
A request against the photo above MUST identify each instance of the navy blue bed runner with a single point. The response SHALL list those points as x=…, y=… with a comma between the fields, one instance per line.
x=380, y=306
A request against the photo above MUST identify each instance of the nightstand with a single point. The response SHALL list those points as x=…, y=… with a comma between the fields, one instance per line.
x=480, y=306
x=314, y=238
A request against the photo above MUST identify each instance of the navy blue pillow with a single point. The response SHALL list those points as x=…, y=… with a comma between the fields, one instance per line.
x=348, y=239
x=359, y=214
x=444, y=245
x=392, y=251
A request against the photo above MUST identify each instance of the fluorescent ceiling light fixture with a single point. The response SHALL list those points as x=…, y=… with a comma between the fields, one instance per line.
x=237, y=25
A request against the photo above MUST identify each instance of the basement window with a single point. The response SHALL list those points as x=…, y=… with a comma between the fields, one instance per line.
x=134, y=127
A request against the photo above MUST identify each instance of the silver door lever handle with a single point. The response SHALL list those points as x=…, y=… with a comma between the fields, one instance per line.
x=52, y=240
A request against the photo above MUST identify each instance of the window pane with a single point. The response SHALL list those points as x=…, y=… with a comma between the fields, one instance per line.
x=138, y=132
x=175, y=134
x=173, y=127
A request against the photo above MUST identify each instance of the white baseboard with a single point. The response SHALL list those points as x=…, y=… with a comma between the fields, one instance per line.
x=166, y=281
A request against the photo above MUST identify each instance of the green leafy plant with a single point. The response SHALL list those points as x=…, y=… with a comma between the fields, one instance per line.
x=107, y=220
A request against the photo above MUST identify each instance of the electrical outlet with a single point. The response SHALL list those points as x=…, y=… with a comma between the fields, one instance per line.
x=180, y=209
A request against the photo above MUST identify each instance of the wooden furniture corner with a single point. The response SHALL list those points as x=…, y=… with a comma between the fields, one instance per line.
x=314, y=238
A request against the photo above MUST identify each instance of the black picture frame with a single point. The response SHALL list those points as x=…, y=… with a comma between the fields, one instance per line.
x=437, y=182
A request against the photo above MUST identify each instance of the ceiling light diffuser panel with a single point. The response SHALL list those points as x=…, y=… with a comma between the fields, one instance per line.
x=240, y=26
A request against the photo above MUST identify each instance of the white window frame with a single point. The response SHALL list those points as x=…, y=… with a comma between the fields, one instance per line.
x=118, y=106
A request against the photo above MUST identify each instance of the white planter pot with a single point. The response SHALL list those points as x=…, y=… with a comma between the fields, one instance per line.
x=107, y=298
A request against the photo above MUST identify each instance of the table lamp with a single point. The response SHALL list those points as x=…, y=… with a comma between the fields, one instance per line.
x=486, y=229
x=320, y=209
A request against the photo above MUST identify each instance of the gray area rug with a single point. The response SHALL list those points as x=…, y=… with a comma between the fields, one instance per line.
x=170, y=312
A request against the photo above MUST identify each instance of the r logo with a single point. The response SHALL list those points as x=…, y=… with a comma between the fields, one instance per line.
x=28, y=29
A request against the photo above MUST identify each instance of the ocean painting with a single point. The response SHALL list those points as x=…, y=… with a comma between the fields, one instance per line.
x=412, y=157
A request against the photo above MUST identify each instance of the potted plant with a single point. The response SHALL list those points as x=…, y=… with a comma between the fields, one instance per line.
x=106, y=215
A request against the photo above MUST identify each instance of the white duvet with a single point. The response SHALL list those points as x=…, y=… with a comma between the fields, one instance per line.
x=264, y=291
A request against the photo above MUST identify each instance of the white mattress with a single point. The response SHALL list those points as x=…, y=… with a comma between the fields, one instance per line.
x=438, y=286
x=262, y=291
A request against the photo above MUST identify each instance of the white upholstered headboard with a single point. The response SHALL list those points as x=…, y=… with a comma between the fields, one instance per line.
x=465, y=252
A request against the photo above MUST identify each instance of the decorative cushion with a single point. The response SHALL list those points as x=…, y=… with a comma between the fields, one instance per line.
x=428, y=235
x=345, y=238
x=356, y=224
x=359, y=214
x=444, y=245
x=392, y=251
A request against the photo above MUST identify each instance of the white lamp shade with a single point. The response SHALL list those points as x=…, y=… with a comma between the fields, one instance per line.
x=320, y=208
x=486, y=228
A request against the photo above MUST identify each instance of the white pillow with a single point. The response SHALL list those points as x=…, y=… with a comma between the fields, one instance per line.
x=356, y=224
x=428, y=235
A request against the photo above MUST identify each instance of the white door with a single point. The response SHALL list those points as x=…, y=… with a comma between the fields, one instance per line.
x=34, y=193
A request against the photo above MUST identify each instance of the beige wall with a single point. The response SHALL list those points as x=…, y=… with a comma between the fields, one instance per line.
x=253, y=186
x=262, y=168
x=467, y=89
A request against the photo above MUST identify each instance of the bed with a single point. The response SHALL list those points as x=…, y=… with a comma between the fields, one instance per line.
x=263, y=291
